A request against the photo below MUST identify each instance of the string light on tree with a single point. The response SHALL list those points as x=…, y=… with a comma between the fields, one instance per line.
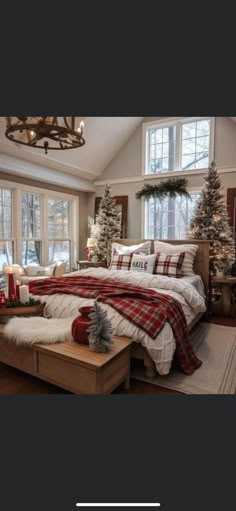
x=107, y=227
x=211, y=222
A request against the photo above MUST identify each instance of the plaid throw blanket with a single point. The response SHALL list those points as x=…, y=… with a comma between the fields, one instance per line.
x=145, y=308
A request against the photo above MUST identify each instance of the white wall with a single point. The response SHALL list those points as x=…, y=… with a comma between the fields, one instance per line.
x=128, y=163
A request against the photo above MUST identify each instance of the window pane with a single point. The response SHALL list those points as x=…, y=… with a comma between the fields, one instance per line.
x=188, y=146
x=195, y=145
x=202, y=144
x=31, y=252
x=31, y=215
x=189, y=130
x=170, y=218
x=6, y=258
x=60, y=251
x=161, y=149
x=59, y=215
x=5, y=213
x=202, y=162
x=203, y=127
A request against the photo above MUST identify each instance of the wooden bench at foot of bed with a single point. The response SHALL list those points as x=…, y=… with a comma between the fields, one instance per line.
x=72, y=366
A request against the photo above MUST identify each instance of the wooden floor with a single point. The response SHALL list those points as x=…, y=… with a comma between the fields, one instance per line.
x=13, y=381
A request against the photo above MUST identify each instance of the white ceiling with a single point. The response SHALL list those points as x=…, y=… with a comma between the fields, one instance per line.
x=104, y=138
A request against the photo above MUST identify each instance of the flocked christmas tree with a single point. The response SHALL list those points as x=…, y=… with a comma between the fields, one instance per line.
x=210, y=222
x=100, y=330
x=107, y=227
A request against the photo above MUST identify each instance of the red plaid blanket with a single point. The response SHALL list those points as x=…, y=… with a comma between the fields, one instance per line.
x=146, y=308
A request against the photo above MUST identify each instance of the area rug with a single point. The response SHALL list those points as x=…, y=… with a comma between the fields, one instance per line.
x=215, y=345
x=38, y=329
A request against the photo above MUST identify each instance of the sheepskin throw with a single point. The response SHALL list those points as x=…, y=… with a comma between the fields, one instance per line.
x=41, y=330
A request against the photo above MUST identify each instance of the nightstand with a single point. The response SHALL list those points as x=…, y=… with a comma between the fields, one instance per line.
x=90, y=264
x=225, y=307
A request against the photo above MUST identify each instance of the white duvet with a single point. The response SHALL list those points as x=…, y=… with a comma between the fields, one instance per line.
x=161, y=349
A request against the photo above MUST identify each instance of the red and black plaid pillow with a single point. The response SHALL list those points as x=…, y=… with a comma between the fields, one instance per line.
x=120, y=261
x=169, y=265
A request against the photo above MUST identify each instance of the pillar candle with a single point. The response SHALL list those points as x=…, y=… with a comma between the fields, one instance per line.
x=11, y=285
x=18, y=289
x=24, y=294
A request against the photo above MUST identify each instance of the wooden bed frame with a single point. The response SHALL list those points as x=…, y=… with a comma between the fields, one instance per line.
x=201, y=267
x=27, y=359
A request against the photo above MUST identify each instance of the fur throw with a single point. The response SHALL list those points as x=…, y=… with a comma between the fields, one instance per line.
x=38, y=330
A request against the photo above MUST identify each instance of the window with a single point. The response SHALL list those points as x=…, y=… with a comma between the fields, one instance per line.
x=169, y=218
x=31, y=228
x=59, y=230
x=184, y=144
x=45, y=226
x=6, y=239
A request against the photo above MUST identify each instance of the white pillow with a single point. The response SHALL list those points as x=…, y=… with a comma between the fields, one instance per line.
x=39, y=271
x=143, y=263
x=144, y=248
x=190, y=254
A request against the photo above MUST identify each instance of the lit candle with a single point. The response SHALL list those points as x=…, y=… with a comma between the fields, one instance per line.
x=24, y=294
x=18, y=289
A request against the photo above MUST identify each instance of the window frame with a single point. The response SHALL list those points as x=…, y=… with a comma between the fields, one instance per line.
x=44, y=193
x=177, y=122
x=12, y=239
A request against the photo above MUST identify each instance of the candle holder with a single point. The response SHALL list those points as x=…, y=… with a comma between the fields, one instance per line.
x=3, y=299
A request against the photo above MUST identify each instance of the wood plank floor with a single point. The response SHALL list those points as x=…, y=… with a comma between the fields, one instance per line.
x=13, y=381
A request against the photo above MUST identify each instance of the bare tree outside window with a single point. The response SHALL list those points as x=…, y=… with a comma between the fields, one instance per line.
x=31, y=228
x=59, y=230
x=179, y=146
x=169, y=218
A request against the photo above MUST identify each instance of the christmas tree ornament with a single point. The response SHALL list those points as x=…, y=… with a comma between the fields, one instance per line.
x=100, y=330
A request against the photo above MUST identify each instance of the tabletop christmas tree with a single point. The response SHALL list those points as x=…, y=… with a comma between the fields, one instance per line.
x=210, y=222
x=100, y=330
x=107, y=227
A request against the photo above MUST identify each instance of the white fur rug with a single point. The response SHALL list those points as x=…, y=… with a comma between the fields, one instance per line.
x=38, y=330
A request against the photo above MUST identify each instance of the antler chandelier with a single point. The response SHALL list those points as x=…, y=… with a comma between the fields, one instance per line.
x=45, y=132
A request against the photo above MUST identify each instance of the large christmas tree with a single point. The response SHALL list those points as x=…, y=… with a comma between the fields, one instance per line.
x=107, y=227
x=210, y=222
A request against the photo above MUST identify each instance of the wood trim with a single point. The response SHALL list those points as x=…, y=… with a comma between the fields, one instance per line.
x=123, y=201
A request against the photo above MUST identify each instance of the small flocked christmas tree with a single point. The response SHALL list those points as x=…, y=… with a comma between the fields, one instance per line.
x=210, y=222
x=107, y=227
x=100, y=330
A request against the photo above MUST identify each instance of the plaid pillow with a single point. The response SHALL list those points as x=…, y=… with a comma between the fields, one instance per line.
x=120, y=261
x=169, y=265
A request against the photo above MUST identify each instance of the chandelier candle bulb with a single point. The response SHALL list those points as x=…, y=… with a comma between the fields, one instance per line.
x=24, y=293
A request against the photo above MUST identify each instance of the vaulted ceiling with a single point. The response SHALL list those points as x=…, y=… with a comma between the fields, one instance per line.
x=104, y=138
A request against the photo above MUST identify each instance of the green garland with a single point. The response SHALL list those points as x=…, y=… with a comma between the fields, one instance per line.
x=17, y=303
x=171, y=187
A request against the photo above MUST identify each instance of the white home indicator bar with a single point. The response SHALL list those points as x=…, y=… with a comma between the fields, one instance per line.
x=119, y=504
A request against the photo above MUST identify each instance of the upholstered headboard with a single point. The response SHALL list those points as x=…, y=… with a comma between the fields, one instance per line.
x=201, y=263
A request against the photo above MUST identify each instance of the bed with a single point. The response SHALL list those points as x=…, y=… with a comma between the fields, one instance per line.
x=190, y=291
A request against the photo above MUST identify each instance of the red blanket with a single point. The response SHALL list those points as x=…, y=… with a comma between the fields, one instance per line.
x=146, y=308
